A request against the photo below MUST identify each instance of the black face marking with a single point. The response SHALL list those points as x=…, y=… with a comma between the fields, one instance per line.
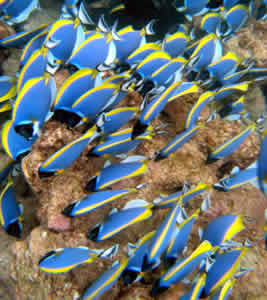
x=159, y=157
x=170, y=261
x=129, y=276
x=14, y=229
x=25, y=130
x=138, y=129
x=93, y=234
x=48, y=254
x=90, y=187
x=68, y=210
x=210, y=159
x=148, y=85
x=91, y=154
x=45, y=174
x=146, y=266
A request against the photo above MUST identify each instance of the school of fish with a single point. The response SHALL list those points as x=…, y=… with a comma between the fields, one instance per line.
x=106, y=62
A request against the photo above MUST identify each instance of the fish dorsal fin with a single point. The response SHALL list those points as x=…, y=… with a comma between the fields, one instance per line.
x=135, y=203
x=83, y=15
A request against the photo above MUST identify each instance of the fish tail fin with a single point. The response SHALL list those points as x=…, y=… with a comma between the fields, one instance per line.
x=110, y=252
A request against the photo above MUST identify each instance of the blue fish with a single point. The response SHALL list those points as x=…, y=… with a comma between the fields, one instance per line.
x=34, y=44
x=186, y=195
x=235, y=18
x=28, y=115
x=227, y=64
x=228, y=90
x=223, y=229
x=142, y=52
x=129, y=40
x=175, y=44
x=196, y=290
x=7, y=88
x=128, y=168
x=15, y=145
x=210, y=22
x=10, y=211
x=194, y=113
x=134, y=211
x=191, y=7
x=228, y=147
x=72, y=89
x=96, y=200
x=208, y=50
x=233, y=109
x=236, y=179
x=171, y=70
x=84, y=56
x=133, y=271
x=120, y=142
x=65, y=156
x=176, y=143
x=181, y=269
x=113, y=120
x=63, y=260
x=180, y=238
x=63, y=38
x=93, y=102
x=257, y=74
x=262, y=165
x=153, y=109
x=223, y=268
x=19, y=10
x=34, y=67
x=162, y=238
x=20, y=39
x=105, y=281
